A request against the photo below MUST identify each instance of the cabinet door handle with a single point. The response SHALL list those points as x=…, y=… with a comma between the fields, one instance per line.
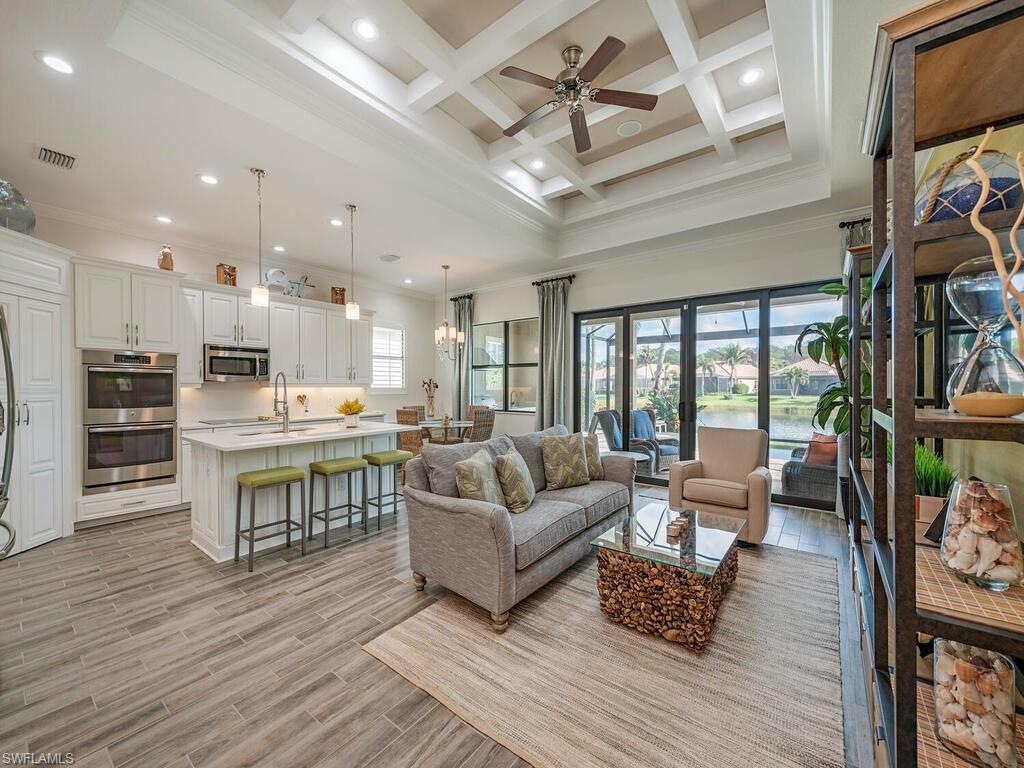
x=133, y=503
x=136, y=334
x=296, y=370
x=199, y=369
x=303, y=370
x=17, y=413
x=28, y=413
x=243, y=333
x=127, y=335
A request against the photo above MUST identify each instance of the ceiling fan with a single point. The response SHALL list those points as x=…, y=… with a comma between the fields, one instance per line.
x=573, y=87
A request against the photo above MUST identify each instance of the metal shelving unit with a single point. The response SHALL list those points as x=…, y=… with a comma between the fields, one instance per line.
x=942, y=73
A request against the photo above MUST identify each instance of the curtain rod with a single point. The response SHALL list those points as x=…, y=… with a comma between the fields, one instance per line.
x=570, y=278
x=463, y=296
x=855, y=222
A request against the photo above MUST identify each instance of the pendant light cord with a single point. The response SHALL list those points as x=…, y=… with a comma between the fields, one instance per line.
x=259, y=173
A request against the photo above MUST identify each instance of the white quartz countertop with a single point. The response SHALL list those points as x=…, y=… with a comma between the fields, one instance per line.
x=295, y=419
x=269, y=435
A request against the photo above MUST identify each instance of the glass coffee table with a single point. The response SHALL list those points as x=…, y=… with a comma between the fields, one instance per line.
x=654, y=582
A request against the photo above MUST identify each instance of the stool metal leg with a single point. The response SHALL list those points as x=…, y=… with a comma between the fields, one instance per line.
x=394, y=490
x=380, y=494
x=348, y=489
x=312, y=491
x=238, y=517
x=327, y=507
x=302, y=511
x=252, y=526
x=288, y=515
x=366, y=501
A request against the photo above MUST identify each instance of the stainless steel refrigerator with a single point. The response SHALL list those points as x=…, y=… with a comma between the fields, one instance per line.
x=7, y=433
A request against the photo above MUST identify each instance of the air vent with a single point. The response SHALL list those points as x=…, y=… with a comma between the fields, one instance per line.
x=53, y=157
x=389, y=258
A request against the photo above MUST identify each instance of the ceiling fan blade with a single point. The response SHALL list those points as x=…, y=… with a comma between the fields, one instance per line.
x=530, y=119
x=608, y=50
x=624, y=98
x=528, y=77
x=580, y=132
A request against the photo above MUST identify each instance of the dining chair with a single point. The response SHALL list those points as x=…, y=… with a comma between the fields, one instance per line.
x=421, y=411
x=483, y=424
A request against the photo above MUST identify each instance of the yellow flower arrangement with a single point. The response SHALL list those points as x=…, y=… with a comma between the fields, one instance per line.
x=351, y=407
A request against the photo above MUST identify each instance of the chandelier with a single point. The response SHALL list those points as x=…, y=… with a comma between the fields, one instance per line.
x=447, y=339
x=260, y=295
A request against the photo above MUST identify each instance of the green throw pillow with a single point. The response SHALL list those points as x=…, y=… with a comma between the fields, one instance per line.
x=515, y=480
x=476, y=479
x=565, y=461
x=594, y=466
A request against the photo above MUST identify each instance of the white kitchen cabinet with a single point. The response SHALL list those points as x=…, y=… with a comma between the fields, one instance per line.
x=220, y=319
x=190, y=356
x=118, y=309
x=349, y=350
x=155, y=304
x=253, y=325
x=312, y=345
x=103, y=307
x=284, y=340
x=185, y=464
x=37, y=482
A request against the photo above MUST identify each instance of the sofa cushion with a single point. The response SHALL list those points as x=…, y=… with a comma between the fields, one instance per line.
x=543, y=527
x=594, y=466
x=724, y=492
x=515, y=480
x=528, y=446
x=440, y=460
x=599, y=498
x=565, y=461
x=476, y=479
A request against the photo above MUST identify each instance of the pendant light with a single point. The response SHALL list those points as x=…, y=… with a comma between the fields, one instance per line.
x=447, y=339
x=260, y=295
x=352, y=308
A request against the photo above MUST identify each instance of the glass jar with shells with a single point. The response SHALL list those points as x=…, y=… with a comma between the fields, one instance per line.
x=974, y=704
x=980, y=541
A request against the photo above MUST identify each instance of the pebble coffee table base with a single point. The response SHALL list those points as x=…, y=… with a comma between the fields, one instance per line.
x=655, y=598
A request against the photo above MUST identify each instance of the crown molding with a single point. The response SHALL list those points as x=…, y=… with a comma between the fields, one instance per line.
x=214, y=250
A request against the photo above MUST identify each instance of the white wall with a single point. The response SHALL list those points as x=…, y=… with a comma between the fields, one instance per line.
x=756, y=259
x=415, y=312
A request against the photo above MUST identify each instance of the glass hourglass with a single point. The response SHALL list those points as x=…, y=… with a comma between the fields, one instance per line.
x=990, y=380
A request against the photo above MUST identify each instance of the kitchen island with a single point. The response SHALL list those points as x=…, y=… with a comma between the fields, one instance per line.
x=218, y=458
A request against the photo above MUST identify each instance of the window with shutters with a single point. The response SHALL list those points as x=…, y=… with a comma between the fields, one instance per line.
x=388, y=357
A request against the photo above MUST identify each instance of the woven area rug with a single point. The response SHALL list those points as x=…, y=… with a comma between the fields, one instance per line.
x=566, y=687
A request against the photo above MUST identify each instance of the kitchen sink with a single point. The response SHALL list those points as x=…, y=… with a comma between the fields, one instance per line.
x=274, y=432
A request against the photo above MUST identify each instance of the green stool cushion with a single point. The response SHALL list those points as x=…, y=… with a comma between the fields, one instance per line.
x=274, y=476
x=334, y=466
x=387, y=458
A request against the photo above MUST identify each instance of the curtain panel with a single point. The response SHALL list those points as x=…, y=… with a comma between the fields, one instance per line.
x=460, y=382
x=552, y=301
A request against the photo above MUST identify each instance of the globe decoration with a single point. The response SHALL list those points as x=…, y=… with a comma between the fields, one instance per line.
x=952, y=191
x=15, y=211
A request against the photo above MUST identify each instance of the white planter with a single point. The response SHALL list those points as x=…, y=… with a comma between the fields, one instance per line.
x=352, y=421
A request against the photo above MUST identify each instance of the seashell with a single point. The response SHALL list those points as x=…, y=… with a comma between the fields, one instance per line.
x=953, y=711
x=984, y=741
x=967, y=539
x=963, y=736
x=975, y=707
x=946, y=664
x=984, y=522
x=1002, y=670
x=988, y=551
x=950, y=544
x=1005, y=573
x=943, y=693
x=988, y=683
x=965, y=671
x=992, y=725
x=1004, y=751
x=1004, y=533
x=1002, y=702
x=963, y=561
x=975, y=489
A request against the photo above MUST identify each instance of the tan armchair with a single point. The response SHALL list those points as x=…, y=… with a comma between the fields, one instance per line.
x=731, y=478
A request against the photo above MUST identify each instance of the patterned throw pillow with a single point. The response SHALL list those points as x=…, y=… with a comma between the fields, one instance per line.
x=515, y=480
x=477, y=480
x=565, y=461
x=594, y=466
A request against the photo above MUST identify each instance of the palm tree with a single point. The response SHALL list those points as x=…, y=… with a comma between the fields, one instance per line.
x=795, y=376
x=706, y=365
x=645, y=357
x=731, y=356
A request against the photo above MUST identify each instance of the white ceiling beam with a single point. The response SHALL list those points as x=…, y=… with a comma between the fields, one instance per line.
x=415, y=37
x=753, y=117
x=526, y=23
x=645, y=155
x=301, y=14
x=680, y=34
x=555, y=187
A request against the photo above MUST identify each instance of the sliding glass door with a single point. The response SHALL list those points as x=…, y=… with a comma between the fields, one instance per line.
x=598, y=378
x=653, y=420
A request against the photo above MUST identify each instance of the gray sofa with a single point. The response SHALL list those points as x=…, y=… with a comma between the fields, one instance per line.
x=489, y=556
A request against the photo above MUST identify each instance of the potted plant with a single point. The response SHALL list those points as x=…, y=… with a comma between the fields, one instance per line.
x=351, y=409
x=933, y=480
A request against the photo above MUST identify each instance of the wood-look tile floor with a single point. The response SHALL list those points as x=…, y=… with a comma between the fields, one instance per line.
x=125, y=646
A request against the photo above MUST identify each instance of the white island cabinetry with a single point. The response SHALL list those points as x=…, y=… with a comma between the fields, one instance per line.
x=217, y=459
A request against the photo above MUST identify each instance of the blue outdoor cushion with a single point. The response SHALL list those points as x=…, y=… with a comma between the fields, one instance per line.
x=668, y=450
x=641, y=426
x=616, y=433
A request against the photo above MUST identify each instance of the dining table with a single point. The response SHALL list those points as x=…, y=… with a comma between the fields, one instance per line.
x=452, y=424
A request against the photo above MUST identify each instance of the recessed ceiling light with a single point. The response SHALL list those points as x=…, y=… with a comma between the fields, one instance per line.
x=55, y=63
x=365, y=28
x=751, y=76
x=279, y=248
x=407, y=281
x=537, y=165
x=206, y=178
x=629, y=128
x=164, y=219
x=512, y=173
x=336, y=222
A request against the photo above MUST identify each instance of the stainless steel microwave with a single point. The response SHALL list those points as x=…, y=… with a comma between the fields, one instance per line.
x=235, y=364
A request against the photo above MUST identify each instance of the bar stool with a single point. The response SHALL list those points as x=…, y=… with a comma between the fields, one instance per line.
x=381, y=459
x=327, y=469
x=270, y=478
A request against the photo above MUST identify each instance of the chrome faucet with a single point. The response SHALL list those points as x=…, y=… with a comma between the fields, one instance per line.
x=281, y=406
